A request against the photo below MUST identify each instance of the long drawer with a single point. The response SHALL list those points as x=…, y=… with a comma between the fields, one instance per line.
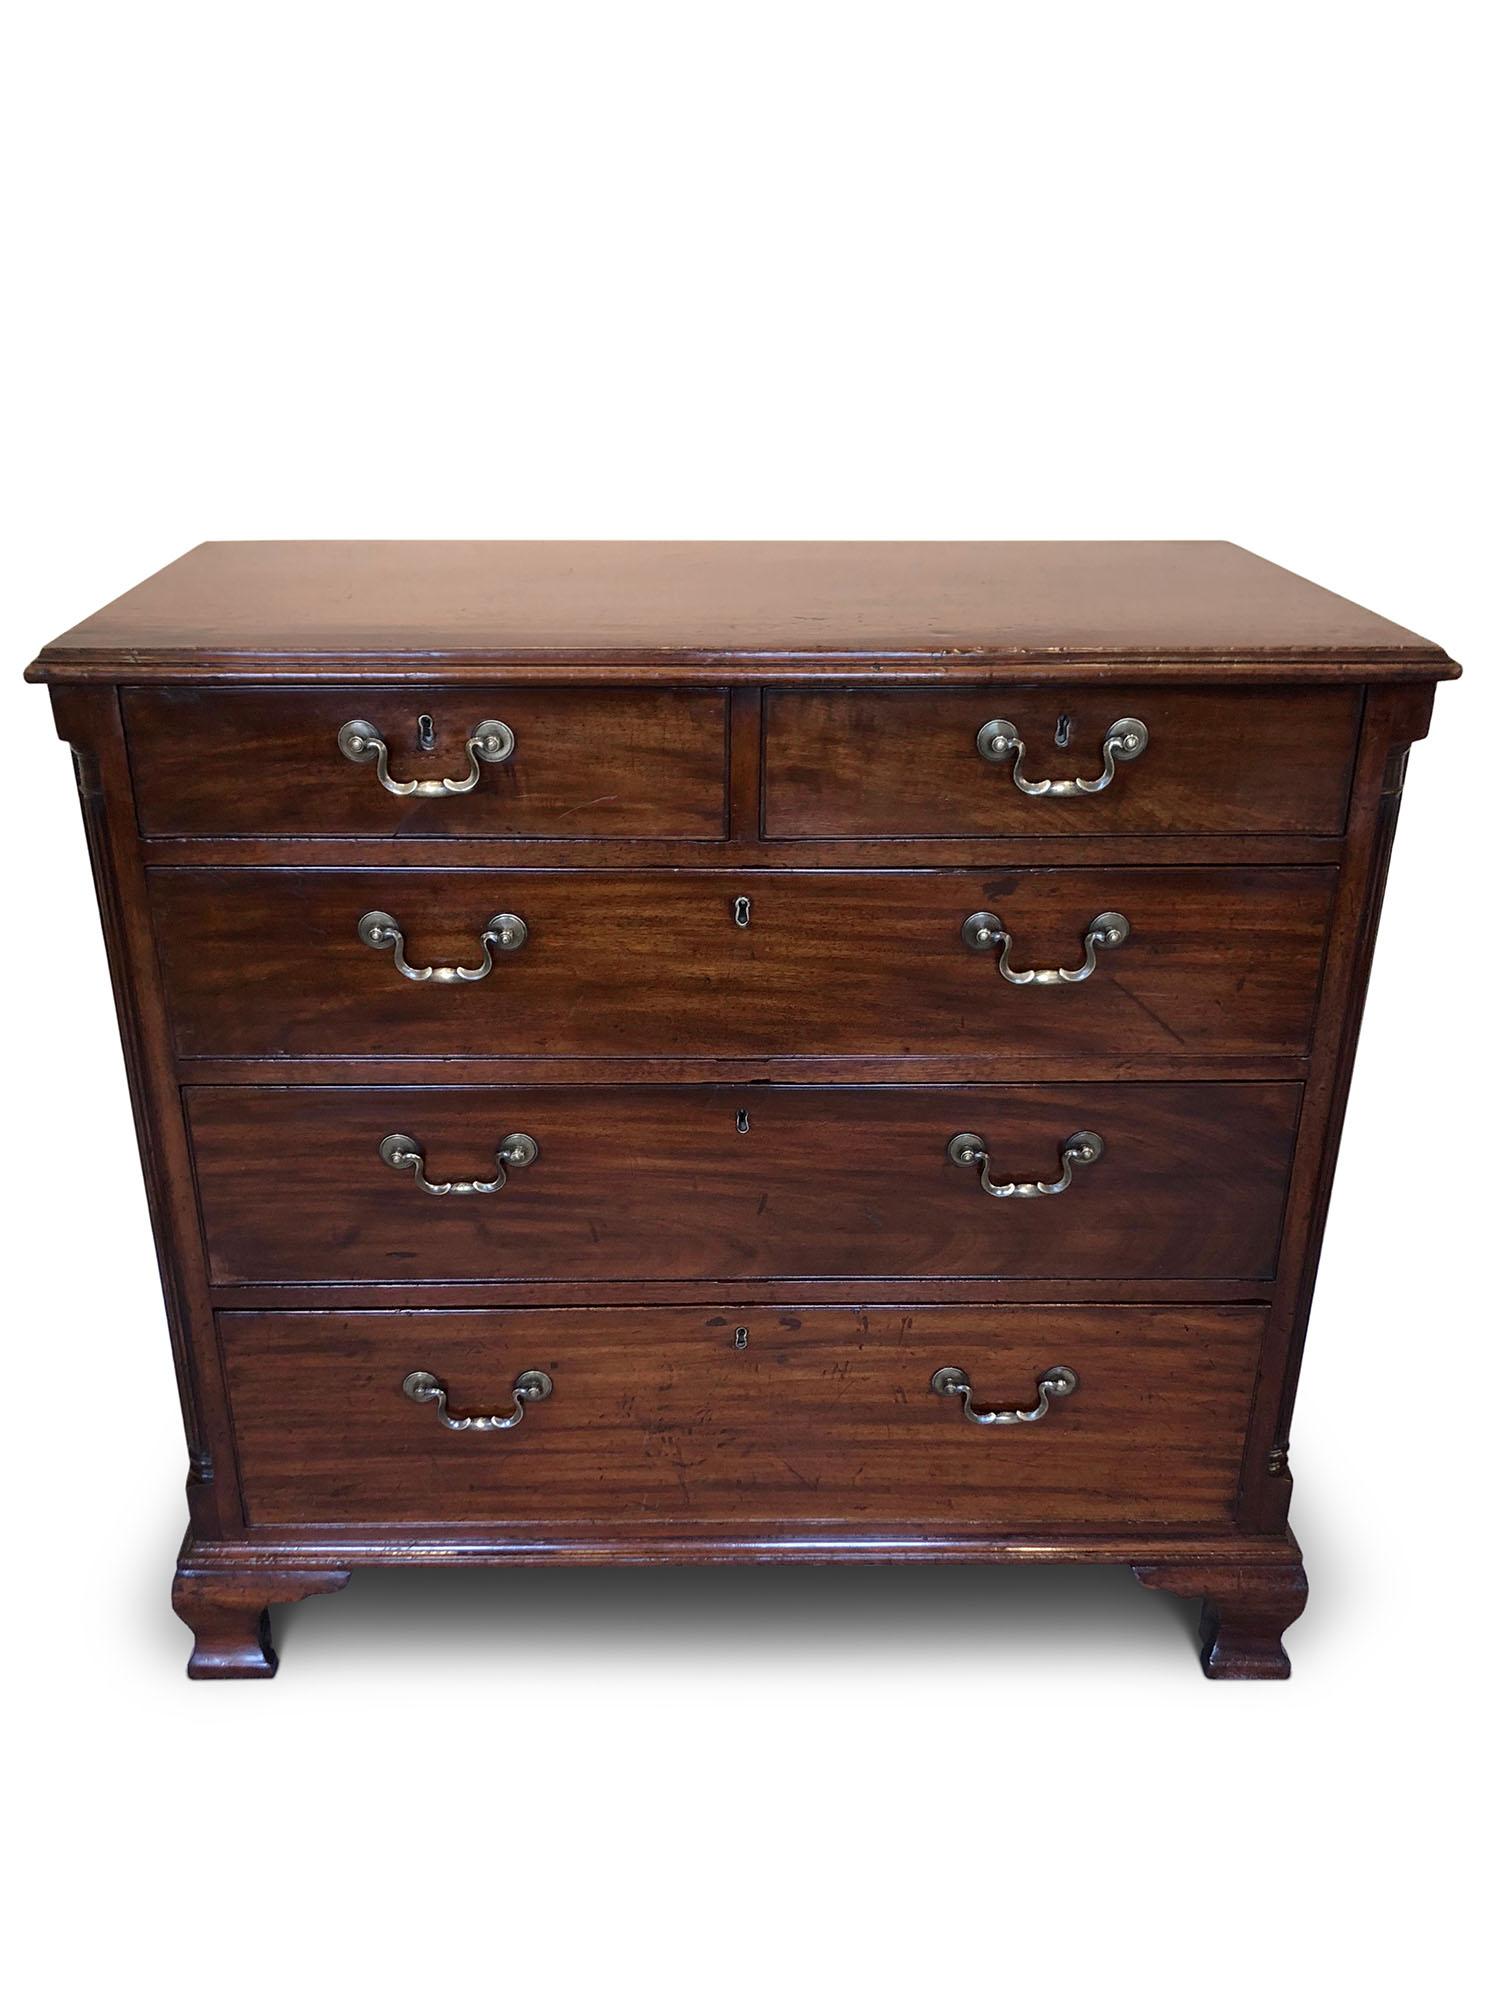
x=1208, y=961
x=798, y=1415
x=303, y=1185
x=930, y=763
x=624, y=763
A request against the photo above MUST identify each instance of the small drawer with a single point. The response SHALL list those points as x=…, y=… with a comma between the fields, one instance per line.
x=590, y=763
x=745, y=1417
x=1074, y=964
x=347, y=1184
x=908, y=763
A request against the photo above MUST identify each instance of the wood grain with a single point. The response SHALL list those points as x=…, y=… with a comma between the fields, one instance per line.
x=646, y=1183
x=823, y=1414
x=229, y=1613
x=902, y=762
x=256, y=607
x=621, y=763
x=88, y=720
x=268, y=963
x=1246, y=1611
x=741, y=1128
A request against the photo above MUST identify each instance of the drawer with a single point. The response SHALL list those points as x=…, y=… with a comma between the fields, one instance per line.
x=906, y=762
x=590, y=763
x=662, y=1183
x=1221, y=961
x=824, y=1414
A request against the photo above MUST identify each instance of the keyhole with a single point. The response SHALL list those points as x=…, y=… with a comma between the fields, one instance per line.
x=742, y=1336
x=1063, y=731
x=426, y=733
x=742, y=1121
x=742, y=912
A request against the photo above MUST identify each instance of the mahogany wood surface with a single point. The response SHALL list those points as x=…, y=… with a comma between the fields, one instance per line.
x=650, y=963
x=337, y=1547
x=88, y=719
x=1246, y=1611
x=638, y=1183
x=610, y=763
x=822, y=1415
x=254, y=606
x=1395, y=718
x=742, y=1126
x=903, y=762
x=229, y=1615
x=746, y=849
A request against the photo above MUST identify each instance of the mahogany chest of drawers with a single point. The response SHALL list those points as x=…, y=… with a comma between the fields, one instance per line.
x=738, y=1052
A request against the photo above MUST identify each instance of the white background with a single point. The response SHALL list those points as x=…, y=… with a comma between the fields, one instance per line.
x=808, y=270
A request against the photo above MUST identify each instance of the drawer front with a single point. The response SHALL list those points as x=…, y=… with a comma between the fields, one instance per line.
x=587, y=764
x=823, y=1414
x=636, y=1182
x=906, y=762
x=1221, y=961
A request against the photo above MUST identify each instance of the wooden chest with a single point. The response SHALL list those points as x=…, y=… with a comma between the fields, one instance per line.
x=738, y=1052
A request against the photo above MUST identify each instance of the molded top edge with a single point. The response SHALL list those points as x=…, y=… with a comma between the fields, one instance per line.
x=737, y=610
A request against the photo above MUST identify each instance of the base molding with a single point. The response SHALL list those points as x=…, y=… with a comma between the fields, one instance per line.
x=1253, y=1587
x=456, y=1543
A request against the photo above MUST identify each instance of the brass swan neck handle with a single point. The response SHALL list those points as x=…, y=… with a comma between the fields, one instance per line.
x=967, y=1149
x=401, y=1151
x=1055, y=1384
x=1000, y=742
x=530, y=1386
x=488, y=743
x=984, y=931
x=506, y=932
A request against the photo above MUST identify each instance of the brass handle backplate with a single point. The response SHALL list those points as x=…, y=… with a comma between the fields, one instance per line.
x=999, y=742
x=488, y=743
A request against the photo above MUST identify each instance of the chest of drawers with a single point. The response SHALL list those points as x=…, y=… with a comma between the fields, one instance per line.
x=738, y=1052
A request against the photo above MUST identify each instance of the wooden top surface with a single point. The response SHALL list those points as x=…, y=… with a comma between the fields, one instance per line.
x=314, y=610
